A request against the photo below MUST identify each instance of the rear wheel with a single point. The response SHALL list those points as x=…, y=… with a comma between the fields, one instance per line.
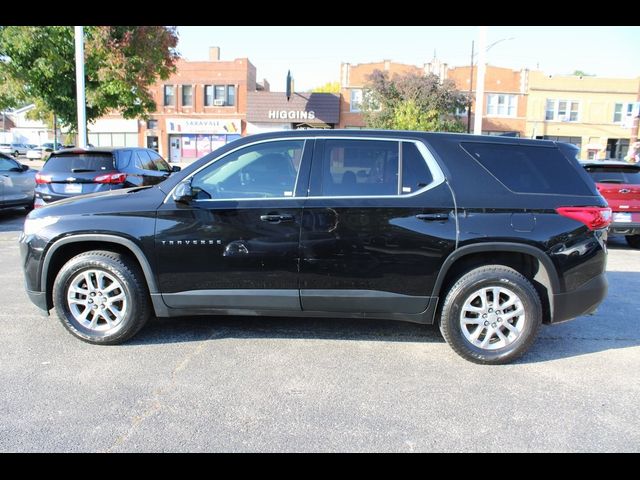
x=491, y=315
x=101, y=297
x=633, y=241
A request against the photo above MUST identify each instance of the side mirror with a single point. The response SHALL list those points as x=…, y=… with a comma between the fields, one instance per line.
x=175, y=168
x=183, y=192
x=24, y=167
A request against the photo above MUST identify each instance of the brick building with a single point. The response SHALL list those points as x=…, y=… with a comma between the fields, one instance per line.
x=505, y=92
x=505, y=98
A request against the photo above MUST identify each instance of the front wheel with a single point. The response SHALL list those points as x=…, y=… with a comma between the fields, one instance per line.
x=491, y=315
x=101, y=297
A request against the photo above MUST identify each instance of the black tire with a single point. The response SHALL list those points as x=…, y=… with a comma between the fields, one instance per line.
x=633, y=241
x=133, y=286
x=464, y=289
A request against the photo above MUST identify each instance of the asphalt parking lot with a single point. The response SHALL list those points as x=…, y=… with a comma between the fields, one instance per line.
x=271, y=384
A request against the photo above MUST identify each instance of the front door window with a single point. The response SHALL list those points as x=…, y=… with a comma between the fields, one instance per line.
x=265, y=170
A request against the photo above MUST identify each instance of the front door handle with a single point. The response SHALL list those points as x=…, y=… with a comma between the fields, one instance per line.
x=276, y=218
x=433, y=217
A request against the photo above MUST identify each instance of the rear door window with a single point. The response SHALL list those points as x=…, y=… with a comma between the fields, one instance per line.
x=529, y=169
x=79, y=162
x=360, y=168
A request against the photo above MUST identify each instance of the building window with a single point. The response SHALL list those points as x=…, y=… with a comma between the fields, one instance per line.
x=208, y=95
x=577, y=141
x=562, y=110
x=169, y=95
x=187, y=95
x=152, y=124
x=219, y=91
x=231, y=95
x=219, y=95
x=622, y=111
x=356, y=100
x=550, y=110
x=501, y=105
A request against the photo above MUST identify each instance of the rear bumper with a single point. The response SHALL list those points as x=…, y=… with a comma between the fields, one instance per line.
x=581, y=301
x=624, y=228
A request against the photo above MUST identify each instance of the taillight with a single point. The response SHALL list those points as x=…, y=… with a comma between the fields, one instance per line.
x=593, y=217
x=111, y=178
x=40, y=178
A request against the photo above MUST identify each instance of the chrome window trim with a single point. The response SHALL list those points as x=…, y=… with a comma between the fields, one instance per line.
x=432, y=165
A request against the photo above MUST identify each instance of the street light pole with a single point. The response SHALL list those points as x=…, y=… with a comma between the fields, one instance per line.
x=470, y=89
x=80, y=98
x=482, y=50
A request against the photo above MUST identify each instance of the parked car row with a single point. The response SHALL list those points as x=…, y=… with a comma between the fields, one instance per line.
x=71, y=172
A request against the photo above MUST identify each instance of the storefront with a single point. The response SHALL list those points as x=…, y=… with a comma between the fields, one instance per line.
x=192, y=138
x=270, y=111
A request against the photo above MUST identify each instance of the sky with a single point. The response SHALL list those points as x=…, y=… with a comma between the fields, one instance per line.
x=313, y=54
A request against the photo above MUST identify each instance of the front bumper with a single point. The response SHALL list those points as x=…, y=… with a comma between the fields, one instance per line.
x=39, y=299
x=581, y=301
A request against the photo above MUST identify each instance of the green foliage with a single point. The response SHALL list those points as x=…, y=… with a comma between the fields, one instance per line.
x=329, y=87
x=412, y=102
x=37, y=65
x=581, y=73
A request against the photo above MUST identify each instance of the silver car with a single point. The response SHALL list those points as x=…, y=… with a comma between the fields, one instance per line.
x=17, y=183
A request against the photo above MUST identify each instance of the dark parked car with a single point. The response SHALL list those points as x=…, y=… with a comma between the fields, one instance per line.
x=488, y=236
x=81, y=171
x=619, y=184
x=17, y=183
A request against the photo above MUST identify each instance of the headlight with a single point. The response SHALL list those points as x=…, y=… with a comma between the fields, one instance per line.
x=34, y=225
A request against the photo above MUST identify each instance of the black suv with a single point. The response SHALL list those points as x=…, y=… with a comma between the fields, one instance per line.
x=488, y=236
x=78, y=171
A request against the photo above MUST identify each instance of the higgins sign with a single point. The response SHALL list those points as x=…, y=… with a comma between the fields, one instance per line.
x=291, y=115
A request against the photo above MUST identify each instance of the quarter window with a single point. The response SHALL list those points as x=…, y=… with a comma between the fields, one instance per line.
x=415, y=173
x=265, y=170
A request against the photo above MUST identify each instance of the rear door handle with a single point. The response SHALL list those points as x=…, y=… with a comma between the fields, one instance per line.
x=276, y=218
x=433, y=217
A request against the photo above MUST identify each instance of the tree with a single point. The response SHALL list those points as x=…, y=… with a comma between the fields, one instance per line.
x=412, y=102
x=329, y=87
x=37, y=65
x=581, y=73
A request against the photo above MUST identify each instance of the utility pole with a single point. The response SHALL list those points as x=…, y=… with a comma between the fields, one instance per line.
x=470, y=89
x=80, y=98
x=477, y=121
x=55, y=132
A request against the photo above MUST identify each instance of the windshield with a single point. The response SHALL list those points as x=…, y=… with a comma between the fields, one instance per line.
x=79, y=162
x=622, y=174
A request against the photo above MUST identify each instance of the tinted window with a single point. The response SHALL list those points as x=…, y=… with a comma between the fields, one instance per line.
x=7, y=163
x=359, y=168
x=619, y=174
x=415, y=173
x=145, y=161
x=528, y=169
x=90, y=162
x=258, y=171
x=124, y=158
x=159, y=162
